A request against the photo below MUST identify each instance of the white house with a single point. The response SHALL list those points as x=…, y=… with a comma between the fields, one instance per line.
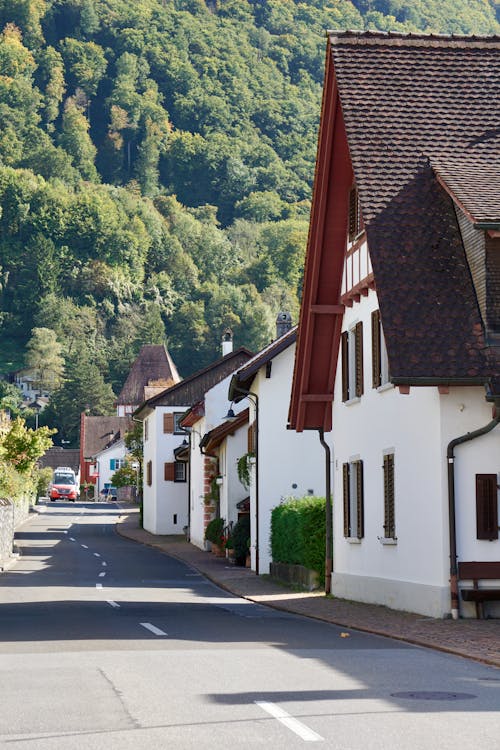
x=282, y=463
x=107, y=461
x=215, y=447
x=400, y=319
x=166, y=487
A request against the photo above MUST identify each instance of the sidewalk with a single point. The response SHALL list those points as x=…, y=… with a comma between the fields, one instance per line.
x=473, y=639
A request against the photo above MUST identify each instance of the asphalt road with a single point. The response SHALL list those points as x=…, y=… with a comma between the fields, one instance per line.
x=108, y=644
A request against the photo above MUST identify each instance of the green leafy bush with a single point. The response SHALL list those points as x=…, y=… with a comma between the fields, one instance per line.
x=213, y=532
x=298, y=533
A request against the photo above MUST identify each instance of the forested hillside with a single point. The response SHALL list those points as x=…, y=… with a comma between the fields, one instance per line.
x=156, y=162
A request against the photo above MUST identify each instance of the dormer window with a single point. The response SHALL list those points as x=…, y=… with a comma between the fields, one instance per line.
x=355, y=220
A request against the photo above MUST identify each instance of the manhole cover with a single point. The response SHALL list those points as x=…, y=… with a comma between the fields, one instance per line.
x=433, y=695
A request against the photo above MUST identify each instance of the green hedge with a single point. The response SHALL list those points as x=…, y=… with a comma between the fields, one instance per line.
x=298, y=533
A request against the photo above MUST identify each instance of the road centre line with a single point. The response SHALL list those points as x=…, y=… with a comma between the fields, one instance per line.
x=96, y=554
x=153, y=628
x=98, y=585
x=72, y=539
x=101, y=575
x=112, y=603
x=104, y=563
x=84, y=546
x=290, y=722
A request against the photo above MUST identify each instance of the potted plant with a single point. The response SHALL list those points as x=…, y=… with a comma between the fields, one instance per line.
x=214, y=533
x=240, y=535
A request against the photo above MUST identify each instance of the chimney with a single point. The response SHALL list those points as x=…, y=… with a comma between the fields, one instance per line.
x=227, y=342
x=283, y=324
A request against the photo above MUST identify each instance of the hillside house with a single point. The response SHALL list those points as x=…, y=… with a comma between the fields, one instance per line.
x=399, y=333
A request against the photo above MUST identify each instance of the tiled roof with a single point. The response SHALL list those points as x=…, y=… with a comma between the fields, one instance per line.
x=407, y=100
x=193, y=388
x=474, y=184
x=214, y=438
x=152, y=368
x=99, y=432
x=242, y=380
x=57, y=456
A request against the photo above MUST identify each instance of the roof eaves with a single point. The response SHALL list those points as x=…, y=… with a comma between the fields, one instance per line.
x=242, y=379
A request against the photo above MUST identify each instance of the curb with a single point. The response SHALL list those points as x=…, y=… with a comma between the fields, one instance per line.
x=338, y=622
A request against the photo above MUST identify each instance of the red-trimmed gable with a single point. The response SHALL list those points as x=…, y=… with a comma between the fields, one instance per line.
x=321, y=312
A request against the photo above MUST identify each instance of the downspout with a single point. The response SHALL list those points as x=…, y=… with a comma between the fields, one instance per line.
x=451, y=503
x=328, y=514
x=255, y=396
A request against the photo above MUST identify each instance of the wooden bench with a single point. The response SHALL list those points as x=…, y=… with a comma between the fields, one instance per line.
x=475, y=572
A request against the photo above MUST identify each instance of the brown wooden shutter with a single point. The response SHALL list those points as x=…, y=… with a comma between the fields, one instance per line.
x=345, y=366
x=251, y=435
x=376, y=350
x=168, y=423
x=149, y=473
x=360, y=505
x=169, y=472
x=486, y=506
x=345, y=472
x=359, y=359
x=389, y=519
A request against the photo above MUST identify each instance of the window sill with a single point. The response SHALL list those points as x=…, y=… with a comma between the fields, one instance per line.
x=353, y=540
x=385, y=387
x=351, y=401
x=387, y=541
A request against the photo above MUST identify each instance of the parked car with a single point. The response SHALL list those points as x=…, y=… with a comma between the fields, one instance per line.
x=108, y=493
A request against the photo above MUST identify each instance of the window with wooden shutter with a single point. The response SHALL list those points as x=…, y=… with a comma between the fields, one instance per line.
x=168, y=472
x=355, y=223
x=168, y=423
x=360, y=509
x=486, y=506
x=149, y=473
x=345, y=366
x=359, y=360
x=353, y=496
x=376, y=375
x=389, y=510
x=180, y=472
x=345, y=474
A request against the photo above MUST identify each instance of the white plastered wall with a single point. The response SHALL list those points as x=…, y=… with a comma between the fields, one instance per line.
x=165, y=502
x=290, y=464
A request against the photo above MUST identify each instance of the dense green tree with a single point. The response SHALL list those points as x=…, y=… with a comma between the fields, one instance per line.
x=44, y=358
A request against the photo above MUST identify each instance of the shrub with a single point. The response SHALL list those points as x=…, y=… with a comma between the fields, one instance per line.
x=240, y=535
x=298, y=533
x=214, y=530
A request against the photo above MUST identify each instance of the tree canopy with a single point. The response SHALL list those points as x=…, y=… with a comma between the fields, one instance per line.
x=156, y=164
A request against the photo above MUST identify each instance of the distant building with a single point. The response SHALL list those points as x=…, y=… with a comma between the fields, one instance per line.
x=152, y=372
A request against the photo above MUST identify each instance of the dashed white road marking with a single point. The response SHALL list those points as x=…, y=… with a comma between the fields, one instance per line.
x=104, y=563
x=101, y=575
x=98, y=585
x=84, y=546
x=288, y=721
x=153, y=628
x=96, y=554
x=65, y=531
x=113, y=604
x=72, y=539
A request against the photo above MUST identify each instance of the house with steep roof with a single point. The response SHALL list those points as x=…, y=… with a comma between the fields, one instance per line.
x=398, y=344
x=102, y=448
x=166, y=489
x=151, y=373
x=281, y=464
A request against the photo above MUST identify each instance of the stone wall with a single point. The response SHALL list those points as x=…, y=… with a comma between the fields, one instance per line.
x=11, y=516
